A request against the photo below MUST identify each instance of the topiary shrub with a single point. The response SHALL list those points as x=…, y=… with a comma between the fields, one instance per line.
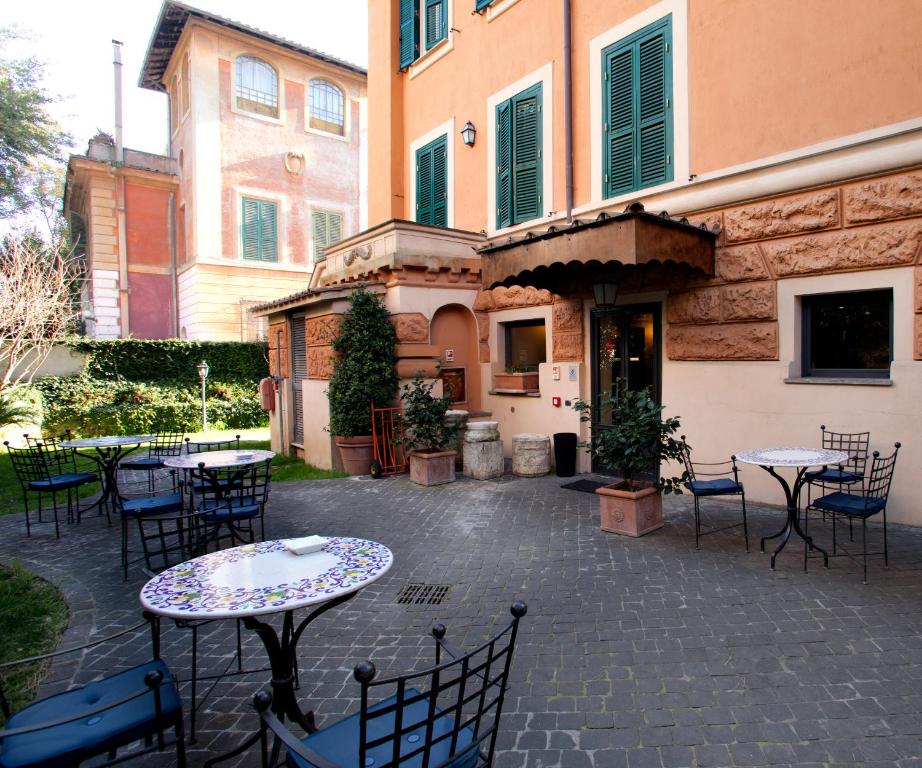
x=365, y=373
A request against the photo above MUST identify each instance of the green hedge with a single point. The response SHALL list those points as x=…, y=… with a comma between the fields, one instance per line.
x=90, y=407
x=174, y=361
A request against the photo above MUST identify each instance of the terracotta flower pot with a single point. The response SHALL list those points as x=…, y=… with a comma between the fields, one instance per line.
x=630, y=513
x=522, y=382
x=356, y=453
x=432, y=467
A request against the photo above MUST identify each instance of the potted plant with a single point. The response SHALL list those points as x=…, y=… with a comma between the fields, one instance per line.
x=517, y=377
x=639, y=438
x=363, y=374
x=428, y=433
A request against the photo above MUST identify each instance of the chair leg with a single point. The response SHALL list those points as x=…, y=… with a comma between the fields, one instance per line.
x=745, y=525
x=834, y=516
x=864, y=546
x=180, y=744
x=886, y=553
x=25, y=499
x=697, y=524
x=124, y=548
x=54, y=506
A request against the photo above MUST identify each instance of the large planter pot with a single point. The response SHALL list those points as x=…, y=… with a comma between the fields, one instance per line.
x=521, y=382
x=630, y=513
x=356, y=453
x=432, y=467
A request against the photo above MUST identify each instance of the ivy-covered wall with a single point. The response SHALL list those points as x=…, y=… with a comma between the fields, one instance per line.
x=139, y=386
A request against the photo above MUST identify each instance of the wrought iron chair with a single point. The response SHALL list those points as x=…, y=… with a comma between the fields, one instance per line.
x=48, y=468
x=855, y=444
x=98, y=719
x=446, y=717
x=870, y=501
x=228, y=502
x=719, y=484
x=164, y=444
x=164, y=525
x=230, y=444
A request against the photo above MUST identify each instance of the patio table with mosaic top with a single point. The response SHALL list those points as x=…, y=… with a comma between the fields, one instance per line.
x=255, y=580
x=801, y=459
x=109, y=452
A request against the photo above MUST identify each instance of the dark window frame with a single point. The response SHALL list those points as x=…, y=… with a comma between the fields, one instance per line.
x=809, y=303
x=507, y=336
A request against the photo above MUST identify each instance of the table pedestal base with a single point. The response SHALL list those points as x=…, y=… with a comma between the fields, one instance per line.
x=792, y=524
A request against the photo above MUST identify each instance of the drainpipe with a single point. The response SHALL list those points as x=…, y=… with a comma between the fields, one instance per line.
x=120, y=196
x=171, y=239
x=568, y=109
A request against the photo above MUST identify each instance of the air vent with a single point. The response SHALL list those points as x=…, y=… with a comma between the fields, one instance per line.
x=422, y=594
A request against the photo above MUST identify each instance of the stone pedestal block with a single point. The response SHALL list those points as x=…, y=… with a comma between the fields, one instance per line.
x=531, y=455
x=458, y=419
x=483, y=450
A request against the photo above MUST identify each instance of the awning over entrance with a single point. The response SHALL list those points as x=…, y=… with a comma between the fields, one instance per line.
x=575, y=254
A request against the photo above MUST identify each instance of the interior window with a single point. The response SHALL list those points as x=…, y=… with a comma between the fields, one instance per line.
x=525, y=345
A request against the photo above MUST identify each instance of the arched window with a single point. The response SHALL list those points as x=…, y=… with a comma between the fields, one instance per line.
x=326, y=107
x=257, y=86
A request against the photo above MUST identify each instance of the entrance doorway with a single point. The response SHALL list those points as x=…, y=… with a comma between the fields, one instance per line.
x=626, y=345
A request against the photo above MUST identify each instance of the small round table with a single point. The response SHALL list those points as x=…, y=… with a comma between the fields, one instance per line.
x=109, y=453
x=217, y=459
x=802, y=459
x=259, y=579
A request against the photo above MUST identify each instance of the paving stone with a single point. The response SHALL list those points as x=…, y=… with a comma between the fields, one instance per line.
x=634, y=652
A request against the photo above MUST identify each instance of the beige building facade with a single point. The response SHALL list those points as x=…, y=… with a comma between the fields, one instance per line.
x=783, y=289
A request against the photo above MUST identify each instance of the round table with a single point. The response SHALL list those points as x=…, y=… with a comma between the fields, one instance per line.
x=217, y=459
x=265, y=578
x=109, y=453
x=801, y=459
x=210, y=444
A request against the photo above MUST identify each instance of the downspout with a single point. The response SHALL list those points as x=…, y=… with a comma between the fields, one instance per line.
x=567, y=110
x=120, y=196
x=171, y=239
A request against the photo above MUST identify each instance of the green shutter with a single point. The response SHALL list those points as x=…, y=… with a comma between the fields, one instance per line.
x=409, y=32
x=504, y=164
x=326, y=230
x=637, y=111
x=479, y=5
x=526, y=146
x=259, y=230
x=432, y=183
x=436, y=22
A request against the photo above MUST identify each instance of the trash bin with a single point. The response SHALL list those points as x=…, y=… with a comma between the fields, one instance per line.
x=565, y=453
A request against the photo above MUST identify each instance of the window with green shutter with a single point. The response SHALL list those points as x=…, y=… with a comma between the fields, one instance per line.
x=637, y=110
x=259, y=230
x=326, y=230
x=519, y=155
x=432, y=183
x=436, y=21
x=479, y=5
x=409, y=32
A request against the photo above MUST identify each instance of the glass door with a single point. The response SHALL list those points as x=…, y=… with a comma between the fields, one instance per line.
x=625, y=345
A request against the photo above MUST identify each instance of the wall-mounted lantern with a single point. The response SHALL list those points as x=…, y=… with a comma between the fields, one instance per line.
x=469, y=133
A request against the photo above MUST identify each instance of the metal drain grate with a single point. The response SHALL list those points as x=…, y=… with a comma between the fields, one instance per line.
x=422, y=594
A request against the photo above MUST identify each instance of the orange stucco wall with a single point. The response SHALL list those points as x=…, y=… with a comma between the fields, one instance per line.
x=147, y=225
x=763, y=79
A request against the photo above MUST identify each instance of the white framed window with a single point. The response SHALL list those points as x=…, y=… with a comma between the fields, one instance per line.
x=326, y=107
x=326, y=230
x=444, y=131
x=256, y=86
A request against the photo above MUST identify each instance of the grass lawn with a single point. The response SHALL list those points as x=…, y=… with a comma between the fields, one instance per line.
x=33, y=615
x=284, y=470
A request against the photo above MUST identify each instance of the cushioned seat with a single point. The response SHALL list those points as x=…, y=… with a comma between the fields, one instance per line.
x=152, y=505
x=834, y=476
x=714, y=487
x=339, y=742
x=63, y=482
x=69, y=743
x=234, y=508
x=850, y=504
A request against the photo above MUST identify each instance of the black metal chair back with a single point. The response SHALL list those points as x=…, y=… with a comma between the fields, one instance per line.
x=166, y=444
x=29, y=464
x=225, y=499
x=687, y=460
x=877, y=484
x=855, y=444
x=230, y=444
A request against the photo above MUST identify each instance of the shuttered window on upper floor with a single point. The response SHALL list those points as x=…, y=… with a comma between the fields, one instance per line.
x=326, y=230
x=259, y=230
x=432, y=183
x=637, y=131
x=421, y=19
x=519, y=158
x=479, y=5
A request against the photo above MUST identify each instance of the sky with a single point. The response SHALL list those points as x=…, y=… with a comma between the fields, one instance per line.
x=74, y=40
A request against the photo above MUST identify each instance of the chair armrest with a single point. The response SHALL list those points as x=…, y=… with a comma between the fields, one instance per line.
x=262, y=701
x=153, y=681
x=65, y=651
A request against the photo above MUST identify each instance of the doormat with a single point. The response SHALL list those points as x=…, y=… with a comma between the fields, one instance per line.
x=587, y=486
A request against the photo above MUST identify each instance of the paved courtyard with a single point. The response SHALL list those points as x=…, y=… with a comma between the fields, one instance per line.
x=633, y=653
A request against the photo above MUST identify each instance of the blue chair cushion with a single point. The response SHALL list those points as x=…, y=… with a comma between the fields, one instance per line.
x=142, y=463
x=63, y=482
x=718, y=487
x=236, y=508
x=834, y=476
x=339, y=742
x=152, y=505
x=850, y=504
x=68, y=744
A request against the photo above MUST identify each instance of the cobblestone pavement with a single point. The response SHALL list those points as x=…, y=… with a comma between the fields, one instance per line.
x=633, y=653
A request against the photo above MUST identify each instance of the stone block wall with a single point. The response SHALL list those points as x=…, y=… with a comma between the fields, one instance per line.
x=320, y=333
x=871, y=224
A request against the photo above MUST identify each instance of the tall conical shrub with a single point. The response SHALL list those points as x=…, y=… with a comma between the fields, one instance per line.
x=365, y=373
